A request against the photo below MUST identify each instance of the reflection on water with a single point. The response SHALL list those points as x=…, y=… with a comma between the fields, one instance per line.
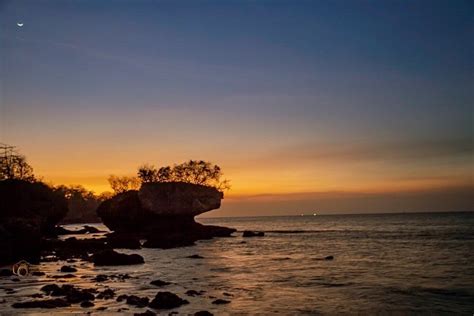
x=398, y=263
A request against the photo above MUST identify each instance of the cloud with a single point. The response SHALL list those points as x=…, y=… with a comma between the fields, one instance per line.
x=389, y=151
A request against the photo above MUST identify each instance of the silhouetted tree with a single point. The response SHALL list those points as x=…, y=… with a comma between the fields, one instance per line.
x=165, y=174
x=13, y=165
x=192, y=171
x=120, y=184
x=147, y=173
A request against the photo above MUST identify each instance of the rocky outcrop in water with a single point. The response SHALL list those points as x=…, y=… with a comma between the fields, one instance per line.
x=28, y=211
x=163, y=214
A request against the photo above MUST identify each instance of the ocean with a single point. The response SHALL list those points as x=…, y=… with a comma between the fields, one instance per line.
x=383, y=263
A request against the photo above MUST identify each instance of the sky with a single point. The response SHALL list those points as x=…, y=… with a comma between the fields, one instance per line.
x=334, y=106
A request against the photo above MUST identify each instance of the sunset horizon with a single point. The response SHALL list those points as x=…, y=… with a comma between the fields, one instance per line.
x=236, y=157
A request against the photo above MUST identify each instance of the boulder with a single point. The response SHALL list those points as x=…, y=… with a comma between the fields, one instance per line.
x=160, y=283
x=113, y=258
x=137, y=301
x=28, y=211
x=163, y=214
x=179, y=198
x=167, y=300
x=54, y=303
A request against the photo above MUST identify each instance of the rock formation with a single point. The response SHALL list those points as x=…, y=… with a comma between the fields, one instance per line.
x=28, y=211
x=163, y=213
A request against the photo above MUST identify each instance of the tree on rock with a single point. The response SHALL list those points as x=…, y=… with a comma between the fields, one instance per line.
x=122, y=184
x=193, y=171
x=13, y=165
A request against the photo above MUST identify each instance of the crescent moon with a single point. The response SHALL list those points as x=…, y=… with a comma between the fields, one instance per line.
x=20, y=24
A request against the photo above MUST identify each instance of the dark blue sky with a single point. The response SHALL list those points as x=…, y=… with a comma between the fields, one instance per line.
x=238, y=82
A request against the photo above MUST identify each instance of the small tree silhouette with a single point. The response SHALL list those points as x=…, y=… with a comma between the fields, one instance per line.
x=120, y=184
x=13, y=165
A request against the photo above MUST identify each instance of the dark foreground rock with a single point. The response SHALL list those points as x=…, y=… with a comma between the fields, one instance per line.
x=68, y=269
x=72, y=294
x=72, y=248
x=137, y=301
x=52, y=303
x=167, y=300
x=159, y=283
x=249, y=233
x=220, y=301
x=163, y=214
x=28, y=211
x=113, y=258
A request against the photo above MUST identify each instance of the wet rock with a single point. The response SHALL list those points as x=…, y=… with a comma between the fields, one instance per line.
x=203, y=313
x=249, y=233
x=220, y=302
x=193, y=293
x=122, y=297
x=147, y=313
x=73, y=295
x=227, y=294
x=87, y=304
x=68, y=269
x=6, y=273
x=167, y=300
x=106, y=294
x=102, y=308
x=329, y=258
x=137, y=301
x=195, y=257
x=100, y=278
x=52, y=289
x=73, y=248
x=52, y=303
x=113, y=258
x=159, y=283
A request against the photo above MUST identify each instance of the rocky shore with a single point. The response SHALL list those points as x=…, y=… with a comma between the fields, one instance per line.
x=159, y=215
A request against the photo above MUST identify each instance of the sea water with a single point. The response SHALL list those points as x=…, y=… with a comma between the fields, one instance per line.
x=384, y=263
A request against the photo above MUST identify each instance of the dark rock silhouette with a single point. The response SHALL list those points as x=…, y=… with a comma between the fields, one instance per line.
x=167, y=300
x=113, y=258
x=220, y=301
x=137, y=301
x=68, y=269
x=87, y=304
x=28, y=211
x=159, y=283
x=106, y=294
x=163, y=214
x=51, y=303
x=248, y=233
